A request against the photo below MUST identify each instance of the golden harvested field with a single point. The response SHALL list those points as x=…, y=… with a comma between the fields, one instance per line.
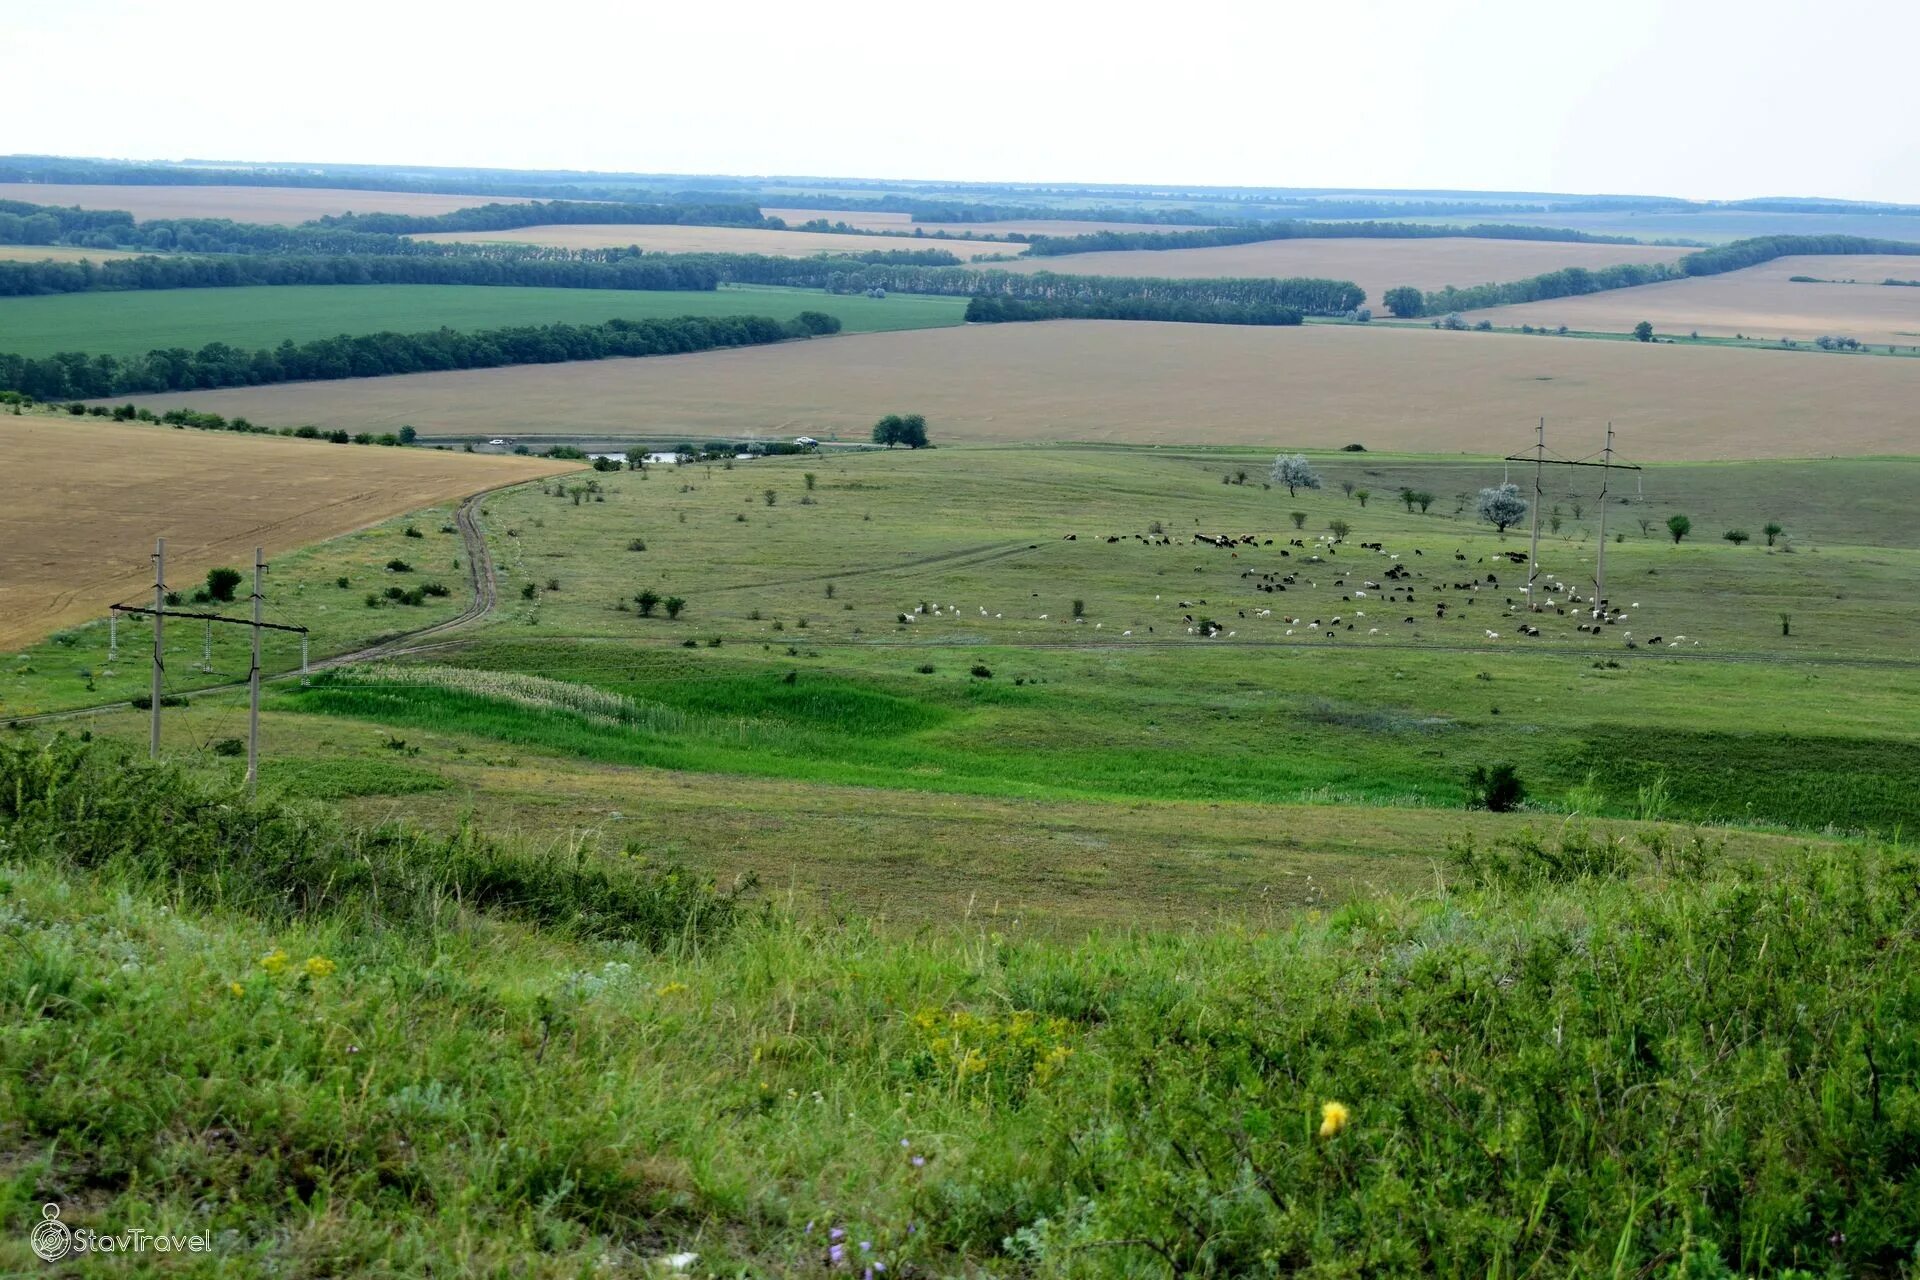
x=1316, y=386
x=85, y=499
x=869, y=221
x=1374, y=265
x=1759, y=302
x=679, y=239
x=55, y=253
x=286, y=205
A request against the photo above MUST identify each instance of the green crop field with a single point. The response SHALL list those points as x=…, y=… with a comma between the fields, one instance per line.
x=135, y=322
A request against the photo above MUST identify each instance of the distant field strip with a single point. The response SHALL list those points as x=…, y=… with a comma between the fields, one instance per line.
x=285, y=205
x=868, y=220
x=132, y=323
x=1376, y=265
x=679, y=239
x=85, y=500
x=1133, y=382
x=1759, y=302
x=56, y=253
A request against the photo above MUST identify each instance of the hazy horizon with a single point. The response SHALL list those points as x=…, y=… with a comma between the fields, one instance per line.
x=1652, y=97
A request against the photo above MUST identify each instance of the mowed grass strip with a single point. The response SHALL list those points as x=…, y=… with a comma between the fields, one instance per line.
x=135, y=322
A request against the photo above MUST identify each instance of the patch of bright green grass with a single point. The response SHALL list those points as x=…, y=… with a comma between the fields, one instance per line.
x=134, y=322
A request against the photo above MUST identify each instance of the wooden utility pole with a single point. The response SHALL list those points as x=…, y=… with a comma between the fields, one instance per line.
x=159, y=651
x=1539, y=492
x=1600, y=558
x=253, y=673
x=160, y=613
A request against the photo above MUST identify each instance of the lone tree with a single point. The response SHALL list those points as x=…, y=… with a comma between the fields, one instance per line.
x=1773, y=530
x=1502, y=506
x=1339, y=529
x=1405, y=301
x=1643, y=332
x=907, y=429
x=1737, y=536
x=648, y=600
x=1679, y=527
x=221, y=583
x=1295, y=472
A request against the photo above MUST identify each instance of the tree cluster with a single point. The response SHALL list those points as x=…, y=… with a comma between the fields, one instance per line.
x=907, y=429
x=77, y=375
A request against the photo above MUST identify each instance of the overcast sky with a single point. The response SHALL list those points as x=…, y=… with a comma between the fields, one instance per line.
x=1700, y=98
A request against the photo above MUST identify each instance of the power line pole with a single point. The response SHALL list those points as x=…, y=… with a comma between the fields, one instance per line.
x=1533, y=553
x=160, y=613
x=1600, y=559
x=159, y=651
x=253, y=674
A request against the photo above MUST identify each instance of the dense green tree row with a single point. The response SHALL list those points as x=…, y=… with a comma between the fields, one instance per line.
x=632, y=272
x=842, y=275
x=1250, y=233
x=983, y=310
x=1575, y=281
x=538, y=213
x=76, y=375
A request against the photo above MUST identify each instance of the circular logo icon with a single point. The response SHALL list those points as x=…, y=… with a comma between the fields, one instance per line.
x=51, y=1237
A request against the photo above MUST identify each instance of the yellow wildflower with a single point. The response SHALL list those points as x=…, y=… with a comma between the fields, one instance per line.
x=236, y=989
x=1333, y=1118
x=671, y=989
x=319, y=967
x=275, y=961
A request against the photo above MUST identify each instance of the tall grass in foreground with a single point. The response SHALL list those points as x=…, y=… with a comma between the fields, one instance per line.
x=1590, y=1058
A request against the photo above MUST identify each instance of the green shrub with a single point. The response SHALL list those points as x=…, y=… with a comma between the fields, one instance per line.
x=1497, y=788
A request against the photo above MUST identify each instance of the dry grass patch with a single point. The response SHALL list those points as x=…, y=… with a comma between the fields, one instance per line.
x=1758, y=302
x=84, y=500
x=286, y=205
x=1374, y=265
x=1321, y=386
x=679, y=239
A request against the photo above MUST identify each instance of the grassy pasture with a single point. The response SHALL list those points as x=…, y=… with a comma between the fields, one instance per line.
x=1127, y=705
x=285, y=205
x=135, y=322
x=1320, y=386
x=1757, y=302
x=1375, y=265
x=551, y=1058
x=686, y=239
x=86, y=499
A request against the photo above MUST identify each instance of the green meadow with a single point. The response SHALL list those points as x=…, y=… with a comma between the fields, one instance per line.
x=945, y=861
x=135, y=322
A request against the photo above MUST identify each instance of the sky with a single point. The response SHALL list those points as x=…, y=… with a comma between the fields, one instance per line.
x=1702, y=98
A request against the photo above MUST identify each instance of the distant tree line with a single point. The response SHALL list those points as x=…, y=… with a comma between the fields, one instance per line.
x=1575, y=281
x=536, y=213
x=984, y=310
x=663, y=273
x=373, y=233
x=1251, y=233
x=841, y=275
x=77, y=375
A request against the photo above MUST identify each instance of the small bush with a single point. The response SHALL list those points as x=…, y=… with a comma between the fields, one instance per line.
x=1496, y=788
x=397, y=565
x=981, y=672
